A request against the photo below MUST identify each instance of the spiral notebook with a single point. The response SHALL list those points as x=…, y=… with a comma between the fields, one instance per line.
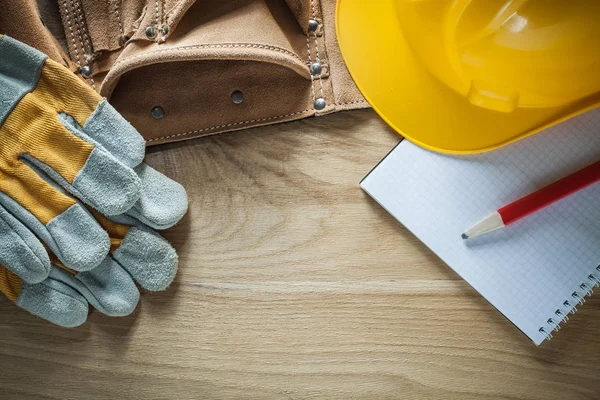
x=536, y=271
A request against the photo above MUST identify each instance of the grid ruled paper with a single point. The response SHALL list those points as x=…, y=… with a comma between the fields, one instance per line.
x=530, y=268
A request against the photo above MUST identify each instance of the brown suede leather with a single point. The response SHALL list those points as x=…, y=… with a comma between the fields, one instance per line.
x=200, y=51
x=21, y=20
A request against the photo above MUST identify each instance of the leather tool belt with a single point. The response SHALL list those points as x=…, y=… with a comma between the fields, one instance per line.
x=179, y=69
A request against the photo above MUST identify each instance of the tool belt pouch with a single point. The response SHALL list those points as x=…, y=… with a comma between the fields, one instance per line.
x=178, y=69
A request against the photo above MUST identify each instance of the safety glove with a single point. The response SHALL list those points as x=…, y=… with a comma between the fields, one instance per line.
x=137, y=254
x=57, y=132
x=63, y=146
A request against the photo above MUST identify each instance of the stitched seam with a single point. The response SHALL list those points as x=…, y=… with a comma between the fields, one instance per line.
x=76, y=20
x=230, y=45
x=227, y=125
x=156, y=13
x=70, y=26
x=320, y=73
x=312, y=78
x=162, y=12
x=351, y=102
x=318, y=59
x=68, y=18
x=81, y=28
x=118, y=15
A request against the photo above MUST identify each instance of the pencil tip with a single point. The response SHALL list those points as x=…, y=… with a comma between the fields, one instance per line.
x=464, y=236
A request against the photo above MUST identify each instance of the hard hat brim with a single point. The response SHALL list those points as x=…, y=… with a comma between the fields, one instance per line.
x=413, y=101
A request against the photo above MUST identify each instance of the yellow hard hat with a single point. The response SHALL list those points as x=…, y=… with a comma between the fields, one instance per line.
x=464, y=76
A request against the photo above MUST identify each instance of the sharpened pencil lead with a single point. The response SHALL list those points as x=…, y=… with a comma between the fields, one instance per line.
x=490, y=223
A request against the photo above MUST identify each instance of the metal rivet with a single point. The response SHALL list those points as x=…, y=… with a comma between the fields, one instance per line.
x=237, y=97
x=313, y=25
x=157, y=112
x=320, y=103
x=86, y=71
x=151, y=32
x=315, y=68
x=165, y=30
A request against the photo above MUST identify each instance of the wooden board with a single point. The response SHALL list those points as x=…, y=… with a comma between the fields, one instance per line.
x=294, y=284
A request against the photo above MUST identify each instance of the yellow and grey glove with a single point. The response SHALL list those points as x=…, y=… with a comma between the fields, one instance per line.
x=137, y=254
x=62, y=148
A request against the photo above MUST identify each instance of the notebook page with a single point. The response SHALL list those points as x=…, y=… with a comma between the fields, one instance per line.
x=530, y=268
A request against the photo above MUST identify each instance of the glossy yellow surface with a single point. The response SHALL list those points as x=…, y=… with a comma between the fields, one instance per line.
x=464, y=76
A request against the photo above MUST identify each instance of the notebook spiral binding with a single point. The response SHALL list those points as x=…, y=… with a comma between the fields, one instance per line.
x=585, y=290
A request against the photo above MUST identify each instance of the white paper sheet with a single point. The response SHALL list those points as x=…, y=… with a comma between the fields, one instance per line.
x=529, y=269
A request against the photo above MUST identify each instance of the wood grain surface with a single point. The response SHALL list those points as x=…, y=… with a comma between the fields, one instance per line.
x=294, y=284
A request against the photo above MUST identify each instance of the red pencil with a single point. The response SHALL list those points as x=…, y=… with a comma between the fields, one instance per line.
x=536, y=200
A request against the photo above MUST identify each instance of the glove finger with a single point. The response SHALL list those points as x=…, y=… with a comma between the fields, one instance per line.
x=21, y=251
x=107, y=128
x=50, y=299
x=57, y=219
x=162, y=203
x=88, y=172
x=108, y=287
x=148, y=257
